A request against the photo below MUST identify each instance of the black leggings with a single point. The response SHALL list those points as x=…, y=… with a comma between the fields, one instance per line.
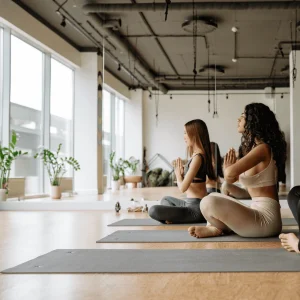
x=177, y=211
x=294, y=204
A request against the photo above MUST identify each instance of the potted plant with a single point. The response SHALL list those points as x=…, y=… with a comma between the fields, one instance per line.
x=132, y=179
x=56, y=168
x=123, y=166
x=115, y=167
x=7, y=156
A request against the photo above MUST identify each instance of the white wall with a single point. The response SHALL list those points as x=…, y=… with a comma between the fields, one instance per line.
x=85, y=124
x=282, y=110
x=116, y=84
x=167, y=137
x=134, y=126
x=295, y=123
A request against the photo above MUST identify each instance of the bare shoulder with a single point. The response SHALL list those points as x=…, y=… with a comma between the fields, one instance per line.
x=197, y=160
x=263, y=150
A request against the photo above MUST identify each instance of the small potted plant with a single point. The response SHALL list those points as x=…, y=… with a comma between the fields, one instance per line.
x=115, y=167
x=56, y=168
x=132, y=180
x=7, y=156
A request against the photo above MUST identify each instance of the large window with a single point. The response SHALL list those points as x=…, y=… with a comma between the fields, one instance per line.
x=61, y=109
x=1, y=81
x=119, y=126
x=113, y=111
x=36, y=101
x=26, y=109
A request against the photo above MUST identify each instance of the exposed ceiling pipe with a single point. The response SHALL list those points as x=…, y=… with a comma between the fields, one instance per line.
x=160, y=46
x=161, y=7
x=166, y=78
x=221, y=81
x=124, y=46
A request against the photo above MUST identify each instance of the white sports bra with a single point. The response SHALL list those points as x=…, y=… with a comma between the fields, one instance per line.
x=266, y=177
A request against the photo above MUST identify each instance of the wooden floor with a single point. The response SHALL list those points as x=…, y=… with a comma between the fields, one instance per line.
x=26, y=235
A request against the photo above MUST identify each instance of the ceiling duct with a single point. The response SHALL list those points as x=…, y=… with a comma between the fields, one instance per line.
x=212, y=69
x=113, y=24
x=124, y=46
x=93, y=7
x=204, y=25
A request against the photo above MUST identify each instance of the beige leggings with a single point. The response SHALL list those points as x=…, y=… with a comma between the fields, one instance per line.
x=235, y=191
x=261, y=219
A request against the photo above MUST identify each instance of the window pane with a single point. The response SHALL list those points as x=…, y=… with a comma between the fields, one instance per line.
x=1, y=81
x=106, y=133
x=61, y=109
x=26, y=106
x=119, y=127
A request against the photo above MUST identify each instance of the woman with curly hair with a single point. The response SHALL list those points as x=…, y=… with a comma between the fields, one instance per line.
x=264, y=149
x=233, y=190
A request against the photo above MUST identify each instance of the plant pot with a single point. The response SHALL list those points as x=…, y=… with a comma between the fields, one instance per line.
x=122, y=180
x=55, y=192
x=132, y=181
x=115, y=185
x=3, y=195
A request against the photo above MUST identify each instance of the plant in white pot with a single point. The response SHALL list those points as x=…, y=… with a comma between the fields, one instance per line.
x=56, y=168
x=115, y=167
x=7, y=156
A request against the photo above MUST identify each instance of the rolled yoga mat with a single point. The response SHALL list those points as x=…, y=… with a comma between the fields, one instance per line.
x=160, y=261
x=176, y=236
x=151, y=222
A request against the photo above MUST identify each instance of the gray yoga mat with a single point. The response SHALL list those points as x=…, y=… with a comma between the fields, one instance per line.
x=175, y=236
x=151, y=222
x=160, y=261
x=148, y=222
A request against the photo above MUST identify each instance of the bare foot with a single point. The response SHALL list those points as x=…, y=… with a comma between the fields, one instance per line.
x=167, y=222
x=203, y=232
x=290, y=242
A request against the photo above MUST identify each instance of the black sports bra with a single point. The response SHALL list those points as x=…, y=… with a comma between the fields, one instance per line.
x=200, y=177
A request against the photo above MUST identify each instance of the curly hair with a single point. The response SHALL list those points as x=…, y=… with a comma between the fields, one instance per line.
x=261, y=124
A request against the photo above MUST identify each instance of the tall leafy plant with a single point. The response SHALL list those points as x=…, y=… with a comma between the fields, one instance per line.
x=7, y=156
x=56, y=165
x=115, y=167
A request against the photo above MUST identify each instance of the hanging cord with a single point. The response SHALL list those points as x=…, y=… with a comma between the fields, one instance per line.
x=294, y=55
x=195, y=41
x=156, y=106
x=215, y=115
x=208, y=90
x=135, y=52
x=168, y=2
x=129, y=64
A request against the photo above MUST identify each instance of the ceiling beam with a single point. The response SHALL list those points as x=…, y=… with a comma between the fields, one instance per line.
x=92, y=7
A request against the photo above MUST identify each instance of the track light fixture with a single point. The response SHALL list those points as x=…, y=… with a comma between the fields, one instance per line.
x=227, y=96
x=171, y=97
x=282, y=96
x=63, y=22
x=150, y=96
